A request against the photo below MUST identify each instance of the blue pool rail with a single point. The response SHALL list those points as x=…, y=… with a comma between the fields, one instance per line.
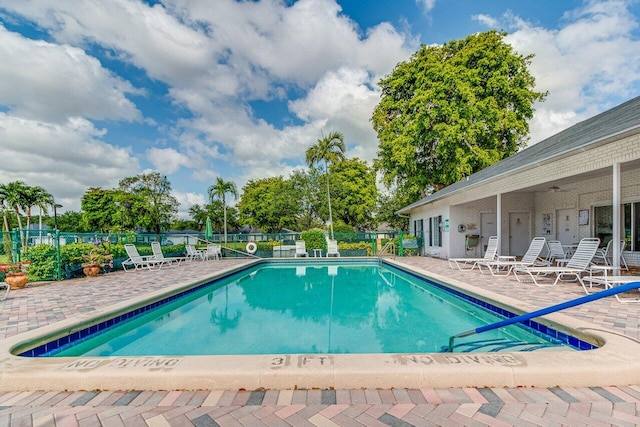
x=547, y=310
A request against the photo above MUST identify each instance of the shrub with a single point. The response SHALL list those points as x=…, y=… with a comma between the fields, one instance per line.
x=42, y=262
x=341, y=227
x=358, y=246
x=314, y=239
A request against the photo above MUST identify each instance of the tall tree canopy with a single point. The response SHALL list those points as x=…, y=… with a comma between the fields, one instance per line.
x=355, y=193
x=452, y=110
x=269, y=204
x=308, y=185
x=99, y=210
x=149, y=201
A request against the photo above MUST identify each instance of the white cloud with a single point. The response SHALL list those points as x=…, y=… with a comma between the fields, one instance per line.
x=45, y=81
x=590, y=63
x=343, y=100
x=486, y=20
x=167, y=160
x=426, y=5
x=187, y=200
x=66, y=159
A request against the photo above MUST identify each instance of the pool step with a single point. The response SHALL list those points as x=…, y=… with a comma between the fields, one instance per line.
x=501, y=344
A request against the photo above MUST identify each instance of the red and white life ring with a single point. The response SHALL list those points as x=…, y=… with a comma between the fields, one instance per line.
x=251, y=248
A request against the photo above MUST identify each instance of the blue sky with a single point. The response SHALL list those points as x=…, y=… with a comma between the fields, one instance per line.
x=92, y=91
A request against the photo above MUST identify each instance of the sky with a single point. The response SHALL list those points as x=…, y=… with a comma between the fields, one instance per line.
x=93, y=91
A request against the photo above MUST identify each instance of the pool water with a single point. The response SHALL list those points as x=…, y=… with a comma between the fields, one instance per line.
x=306, y=308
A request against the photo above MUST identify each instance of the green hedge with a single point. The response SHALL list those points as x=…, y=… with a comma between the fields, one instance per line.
x=43, y=257
x=314, y=239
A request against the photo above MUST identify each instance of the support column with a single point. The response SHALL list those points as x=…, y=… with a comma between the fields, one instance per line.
x=499, y=221
x=615, y=246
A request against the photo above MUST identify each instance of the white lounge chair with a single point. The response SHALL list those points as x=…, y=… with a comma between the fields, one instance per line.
x=489, y=255
x=606, y=255
x=301, y=249
x=138, y=261
x=530, y=259
x=578, y=264
x=214, y=251
x=613, y=281
x=7, y=288
x=157, y=254
x=332, y=248
x=555, y=252
x=193, y=253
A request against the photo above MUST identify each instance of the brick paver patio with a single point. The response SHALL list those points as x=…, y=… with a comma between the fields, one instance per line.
x=42, y=304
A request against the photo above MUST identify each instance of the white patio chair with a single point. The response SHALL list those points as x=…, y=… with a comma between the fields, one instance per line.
x=489, y=255
x=605, y=255
x=214, y=251
x=332, y=248
x=301, y=249
x=159, y=255
x=138, y=261
x=193, y=253
x=575, y=267
x=555, y=252
x=530, y=259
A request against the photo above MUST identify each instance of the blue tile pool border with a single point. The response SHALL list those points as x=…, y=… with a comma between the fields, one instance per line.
x=55, y=346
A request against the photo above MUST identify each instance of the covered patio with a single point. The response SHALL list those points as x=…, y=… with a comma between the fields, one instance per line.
x=582, y=182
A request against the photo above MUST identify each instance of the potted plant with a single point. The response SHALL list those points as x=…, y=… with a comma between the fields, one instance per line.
x=16, y=275
x=95, y=259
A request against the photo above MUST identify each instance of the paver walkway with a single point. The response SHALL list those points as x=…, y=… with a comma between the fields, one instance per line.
x=39, y=305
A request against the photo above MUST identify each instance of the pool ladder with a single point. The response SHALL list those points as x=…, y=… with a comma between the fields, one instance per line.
x=389, y=249
x=552, y=309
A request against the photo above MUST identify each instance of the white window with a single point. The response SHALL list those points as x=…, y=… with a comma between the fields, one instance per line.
x=435, y=231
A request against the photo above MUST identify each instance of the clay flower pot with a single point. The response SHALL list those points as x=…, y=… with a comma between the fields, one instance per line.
x=91, y=270
x=16, y=280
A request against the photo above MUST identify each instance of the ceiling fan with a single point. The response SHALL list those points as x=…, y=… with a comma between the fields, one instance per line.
x=556, y=189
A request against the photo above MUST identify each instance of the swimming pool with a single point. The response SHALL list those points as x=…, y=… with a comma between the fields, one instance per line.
x=310, y=307
x=613, y=362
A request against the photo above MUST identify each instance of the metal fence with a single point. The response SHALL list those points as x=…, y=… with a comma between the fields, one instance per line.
x=55, y=255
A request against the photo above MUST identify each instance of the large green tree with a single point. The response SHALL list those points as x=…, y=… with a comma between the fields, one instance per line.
x=387, y=205
x=68, y=221
x=452, y=110
x=328, y=149
x=269, y=204
x=355, y=193
x=308, y=186
x=100, y=211
x=219, y=190
x=148, y=201
x=215, y=211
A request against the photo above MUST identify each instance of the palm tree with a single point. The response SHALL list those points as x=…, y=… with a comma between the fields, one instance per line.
x=328, y=149
x=4, y=207
x=14, y=196
x=219, y=191
x=36, y=196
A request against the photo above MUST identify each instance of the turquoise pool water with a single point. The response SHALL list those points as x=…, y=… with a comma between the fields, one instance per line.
x=307, y=307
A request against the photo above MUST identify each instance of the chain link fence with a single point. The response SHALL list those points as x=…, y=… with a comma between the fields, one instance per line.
x=54, y=255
